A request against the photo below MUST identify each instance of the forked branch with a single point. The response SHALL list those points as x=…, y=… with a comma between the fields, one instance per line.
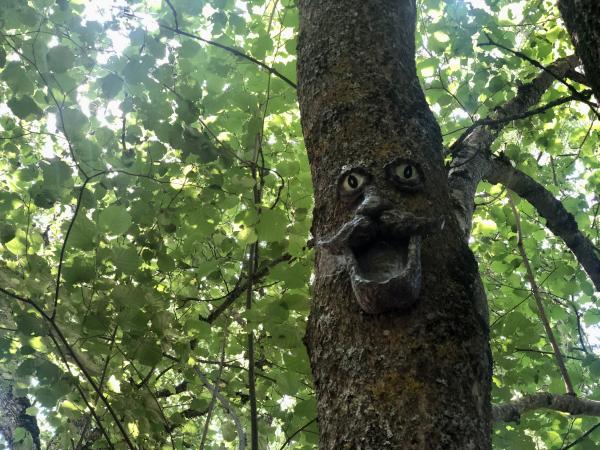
x=471, y=151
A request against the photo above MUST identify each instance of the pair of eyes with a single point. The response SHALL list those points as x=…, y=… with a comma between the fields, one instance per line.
x=405, y=175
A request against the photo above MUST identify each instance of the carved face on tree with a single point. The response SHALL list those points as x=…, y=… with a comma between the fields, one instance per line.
x=380, y=244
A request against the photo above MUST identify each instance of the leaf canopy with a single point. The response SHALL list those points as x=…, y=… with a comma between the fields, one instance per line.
x=140, y=167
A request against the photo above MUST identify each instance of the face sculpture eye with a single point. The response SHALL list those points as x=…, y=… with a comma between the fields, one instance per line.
x=406, y=175
x=407, y=172
x=352, y=183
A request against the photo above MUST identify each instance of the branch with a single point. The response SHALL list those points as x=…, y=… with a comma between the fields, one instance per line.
x=558, y=77
x=251, y=270
x=233, y=51
x=582, y=437
x=560, y=362
x=512, y=411
x=71, y=353
x=471, y=151
x=517, y=116
x=226, y=406
x=578, y=77
x=215, y=393
x=67, y=234
x=174, y=12
x=179, y=388
x=558, y=219
x=241, y=287
x=533, y=62
x=299, y=430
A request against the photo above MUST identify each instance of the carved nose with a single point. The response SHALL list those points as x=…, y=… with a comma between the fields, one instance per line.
x=373, y=205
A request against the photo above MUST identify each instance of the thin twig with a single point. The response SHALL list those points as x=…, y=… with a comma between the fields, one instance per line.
x=174, y=11
x=540, y=66
x=227, y=406
x=64, y=244
x=492, y=122
x=299, y=430
x=215, y=392
x=582, y=437
x=233, y=51
x=538, y=300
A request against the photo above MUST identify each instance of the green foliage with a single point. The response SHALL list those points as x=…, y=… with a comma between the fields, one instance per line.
x=138, y=167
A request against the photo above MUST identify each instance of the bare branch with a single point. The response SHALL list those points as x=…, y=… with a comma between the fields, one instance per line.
x=558, y=219
x=174, y=12
x=512, y=411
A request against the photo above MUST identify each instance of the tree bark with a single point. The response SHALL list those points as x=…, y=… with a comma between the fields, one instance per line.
x=417, y=377
x=13, y=415
x=582, y=19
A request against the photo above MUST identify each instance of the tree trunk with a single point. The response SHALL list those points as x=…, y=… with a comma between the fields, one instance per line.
x=398, y=343
x=13, y=415
x=582, y=18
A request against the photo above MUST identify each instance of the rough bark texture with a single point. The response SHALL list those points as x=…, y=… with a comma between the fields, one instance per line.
x=418, y=379
x=582, y=18
x=13, y=416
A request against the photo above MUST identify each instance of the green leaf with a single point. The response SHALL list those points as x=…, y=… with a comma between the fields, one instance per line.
x=24, y=107
x=135, y=72
x=126, y=259
x=17, y=78
x=165, y=262
x=80, y=270
x=19, y=434
x=57, y=174
x=114, y=220
x=7, y=232
x=228, y=431
x=272, y=225
x=74, y=123
x=111, y=85
x=149, y=353
x=60, y=59
x=84, y=233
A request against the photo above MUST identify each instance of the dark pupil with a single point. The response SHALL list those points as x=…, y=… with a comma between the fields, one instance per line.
x=352, y=181
x=408, y=171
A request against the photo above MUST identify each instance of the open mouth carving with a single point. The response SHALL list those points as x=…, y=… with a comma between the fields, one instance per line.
x=383, y=258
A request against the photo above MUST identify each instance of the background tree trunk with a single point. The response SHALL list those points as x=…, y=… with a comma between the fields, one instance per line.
x=13, y=415
x=582, y=18
x=421, y=378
